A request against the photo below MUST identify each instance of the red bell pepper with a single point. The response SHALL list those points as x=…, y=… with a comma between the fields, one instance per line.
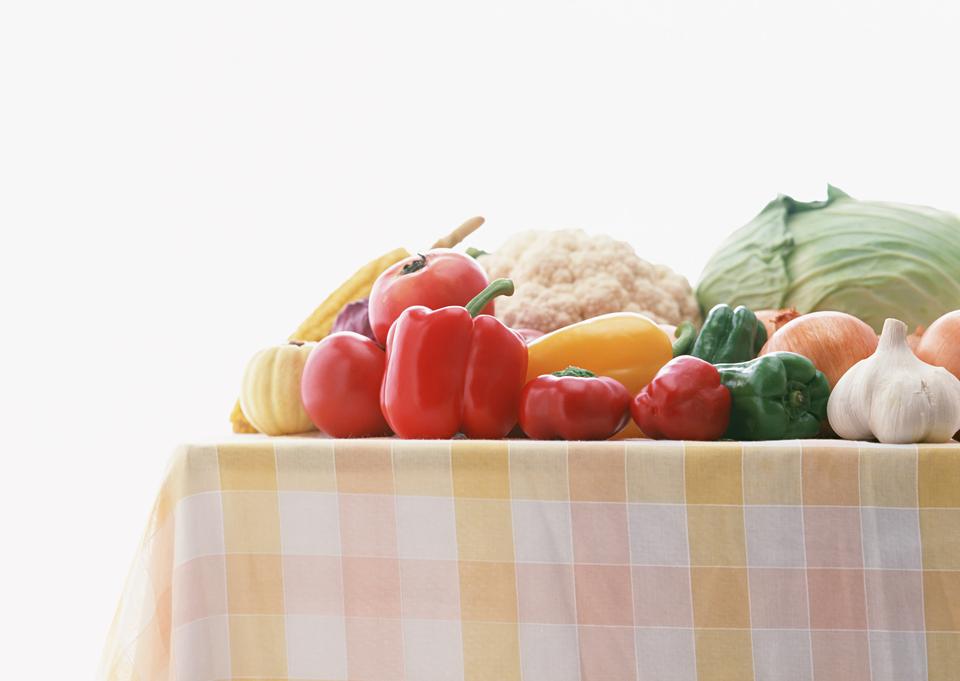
x=453, y=370
x=573, y=404
x=684, y=401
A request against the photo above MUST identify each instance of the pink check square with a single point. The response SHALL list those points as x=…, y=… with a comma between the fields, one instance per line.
x=375, y=649
x=832, y=536
x=313, y=585
x=603, y=594
x=840, y=656
x=600, y=532
x=430, y=589
x=368, y=525
x=837, y=599
x=371, y=587
x=546, y=593
x=607, y=653
x=778, y=598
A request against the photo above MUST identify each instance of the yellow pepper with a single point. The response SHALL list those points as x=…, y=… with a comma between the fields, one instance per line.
x=626, y=346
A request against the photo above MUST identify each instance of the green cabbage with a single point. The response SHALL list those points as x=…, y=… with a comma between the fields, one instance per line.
x=870, y=259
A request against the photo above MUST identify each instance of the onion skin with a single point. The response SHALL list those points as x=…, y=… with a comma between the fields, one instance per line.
x=833, y=341
x=774, y=319
x=940, y=343
x=913, y=340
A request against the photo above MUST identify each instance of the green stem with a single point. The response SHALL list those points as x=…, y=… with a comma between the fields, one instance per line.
x=497, y=287
x=686, y=335
x=575, y=371
x=797, y=398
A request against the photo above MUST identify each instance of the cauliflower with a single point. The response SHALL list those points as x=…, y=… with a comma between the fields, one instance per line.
x=565, y=276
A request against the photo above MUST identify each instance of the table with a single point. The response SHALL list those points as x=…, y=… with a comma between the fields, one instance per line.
x=381, y=559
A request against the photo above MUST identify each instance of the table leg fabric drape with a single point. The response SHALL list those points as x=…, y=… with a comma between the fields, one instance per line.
x=378, y=560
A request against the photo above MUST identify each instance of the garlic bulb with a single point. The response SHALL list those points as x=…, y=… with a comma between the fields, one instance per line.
x=894, y=397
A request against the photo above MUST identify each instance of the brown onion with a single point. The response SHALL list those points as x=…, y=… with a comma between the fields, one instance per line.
x=833, y=341
x=774, y=319
x=940, y=343
x=913, y=340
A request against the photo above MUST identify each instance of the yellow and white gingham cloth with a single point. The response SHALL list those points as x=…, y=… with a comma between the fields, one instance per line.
x=381, y=560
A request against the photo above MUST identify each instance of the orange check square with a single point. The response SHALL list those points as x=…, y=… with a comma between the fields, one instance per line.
x=714, y=473
x=254, y=584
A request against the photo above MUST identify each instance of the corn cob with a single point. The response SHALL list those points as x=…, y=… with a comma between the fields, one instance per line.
x=319, y=323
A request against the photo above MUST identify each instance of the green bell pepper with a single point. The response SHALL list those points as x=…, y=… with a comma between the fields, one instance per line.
x=729, y=335
x=777, y=396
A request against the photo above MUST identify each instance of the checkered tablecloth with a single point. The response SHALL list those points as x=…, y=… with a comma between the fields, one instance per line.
x=374, y=560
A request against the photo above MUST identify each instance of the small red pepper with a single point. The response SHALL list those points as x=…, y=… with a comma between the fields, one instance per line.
x=573, y=404
x=684, y=401
x=453, y=370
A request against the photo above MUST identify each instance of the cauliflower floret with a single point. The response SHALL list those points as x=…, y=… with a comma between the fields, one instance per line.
x=565, y=276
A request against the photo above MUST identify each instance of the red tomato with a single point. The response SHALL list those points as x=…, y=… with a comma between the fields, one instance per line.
x=436, y=279
x=340, y=387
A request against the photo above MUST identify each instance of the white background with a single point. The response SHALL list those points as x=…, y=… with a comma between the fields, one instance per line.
x=182, y=182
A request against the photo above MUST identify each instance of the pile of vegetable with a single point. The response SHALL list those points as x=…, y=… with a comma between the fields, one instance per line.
x=560, y=335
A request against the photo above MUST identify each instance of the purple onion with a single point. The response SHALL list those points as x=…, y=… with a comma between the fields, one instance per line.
x=355, y=317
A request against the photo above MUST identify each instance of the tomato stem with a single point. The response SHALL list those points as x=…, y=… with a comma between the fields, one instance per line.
x=415, y=265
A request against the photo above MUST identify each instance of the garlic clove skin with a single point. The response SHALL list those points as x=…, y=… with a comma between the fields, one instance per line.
x=844, y=412
x=894, y=397
x=898, y=414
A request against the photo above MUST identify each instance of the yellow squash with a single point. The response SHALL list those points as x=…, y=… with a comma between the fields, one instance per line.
x=623, y=345
x=270, y=392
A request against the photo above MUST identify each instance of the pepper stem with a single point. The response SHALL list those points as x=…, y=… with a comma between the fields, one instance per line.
x=497, y=287
x=686, y=335
x=797, y=399
x=575, y=371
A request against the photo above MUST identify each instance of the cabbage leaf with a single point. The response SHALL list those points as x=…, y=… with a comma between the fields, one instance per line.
x=870, y=259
